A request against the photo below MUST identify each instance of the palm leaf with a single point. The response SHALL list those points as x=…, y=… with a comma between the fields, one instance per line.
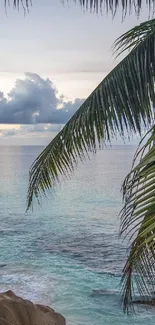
x=138, y=222
x=98, y=5
x=17, y=3
x=121, y=103
x=113, y=5
x=132, y=38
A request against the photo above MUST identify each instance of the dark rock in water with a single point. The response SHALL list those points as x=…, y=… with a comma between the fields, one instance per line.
x=3, y=265
x=145, y=302
x=103, y=292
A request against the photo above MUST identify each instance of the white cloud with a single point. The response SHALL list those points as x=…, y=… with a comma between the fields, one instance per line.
x=35, y=100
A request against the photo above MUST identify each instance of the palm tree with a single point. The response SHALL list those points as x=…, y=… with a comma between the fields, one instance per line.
x=124, y=102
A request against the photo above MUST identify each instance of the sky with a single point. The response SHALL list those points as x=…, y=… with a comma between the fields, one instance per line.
x=51, y=59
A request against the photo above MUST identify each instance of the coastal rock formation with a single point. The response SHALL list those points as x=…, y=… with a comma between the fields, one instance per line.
x=17, y=311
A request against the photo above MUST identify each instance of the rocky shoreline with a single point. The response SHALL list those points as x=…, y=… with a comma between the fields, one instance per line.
x=15, y=310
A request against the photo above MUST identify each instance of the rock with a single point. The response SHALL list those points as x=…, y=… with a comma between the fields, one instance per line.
x=145, y=302
x=17, y=311
x=3, y=265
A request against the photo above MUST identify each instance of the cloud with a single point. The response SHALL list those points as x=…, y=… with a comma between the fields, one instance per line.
x=34, y=130
x=8, y=133
x=35, y=100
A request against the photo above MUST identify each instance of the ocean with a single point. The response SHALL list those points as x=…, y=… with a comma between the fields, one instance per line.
x=66, y=252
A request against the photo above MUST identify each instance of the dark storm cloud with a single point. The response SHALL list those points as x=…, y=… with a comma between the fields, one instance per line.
x=35, y=100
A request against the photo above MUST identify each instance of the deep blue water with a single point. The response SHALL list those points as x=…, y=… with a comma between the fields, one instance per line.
x=67, y=253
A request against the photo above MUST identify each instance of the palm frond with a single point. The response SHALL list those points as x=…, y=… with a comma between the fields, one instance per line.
x=138, y=222
x=121, y=103
x=97, y=5
x=134, y=37
x=113, y=5
x=25, y=4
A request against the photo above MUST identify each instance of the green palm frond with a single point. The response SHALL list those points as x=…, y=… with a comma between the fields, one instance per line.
x=121, y=103
x=134, y=37
x=138, y=222
x=113, y=5
x=25, y=4
x=98, y=5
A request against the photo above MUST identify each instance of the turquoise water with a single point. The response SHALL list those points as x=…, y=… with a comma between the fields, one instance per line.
x=66, y=253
